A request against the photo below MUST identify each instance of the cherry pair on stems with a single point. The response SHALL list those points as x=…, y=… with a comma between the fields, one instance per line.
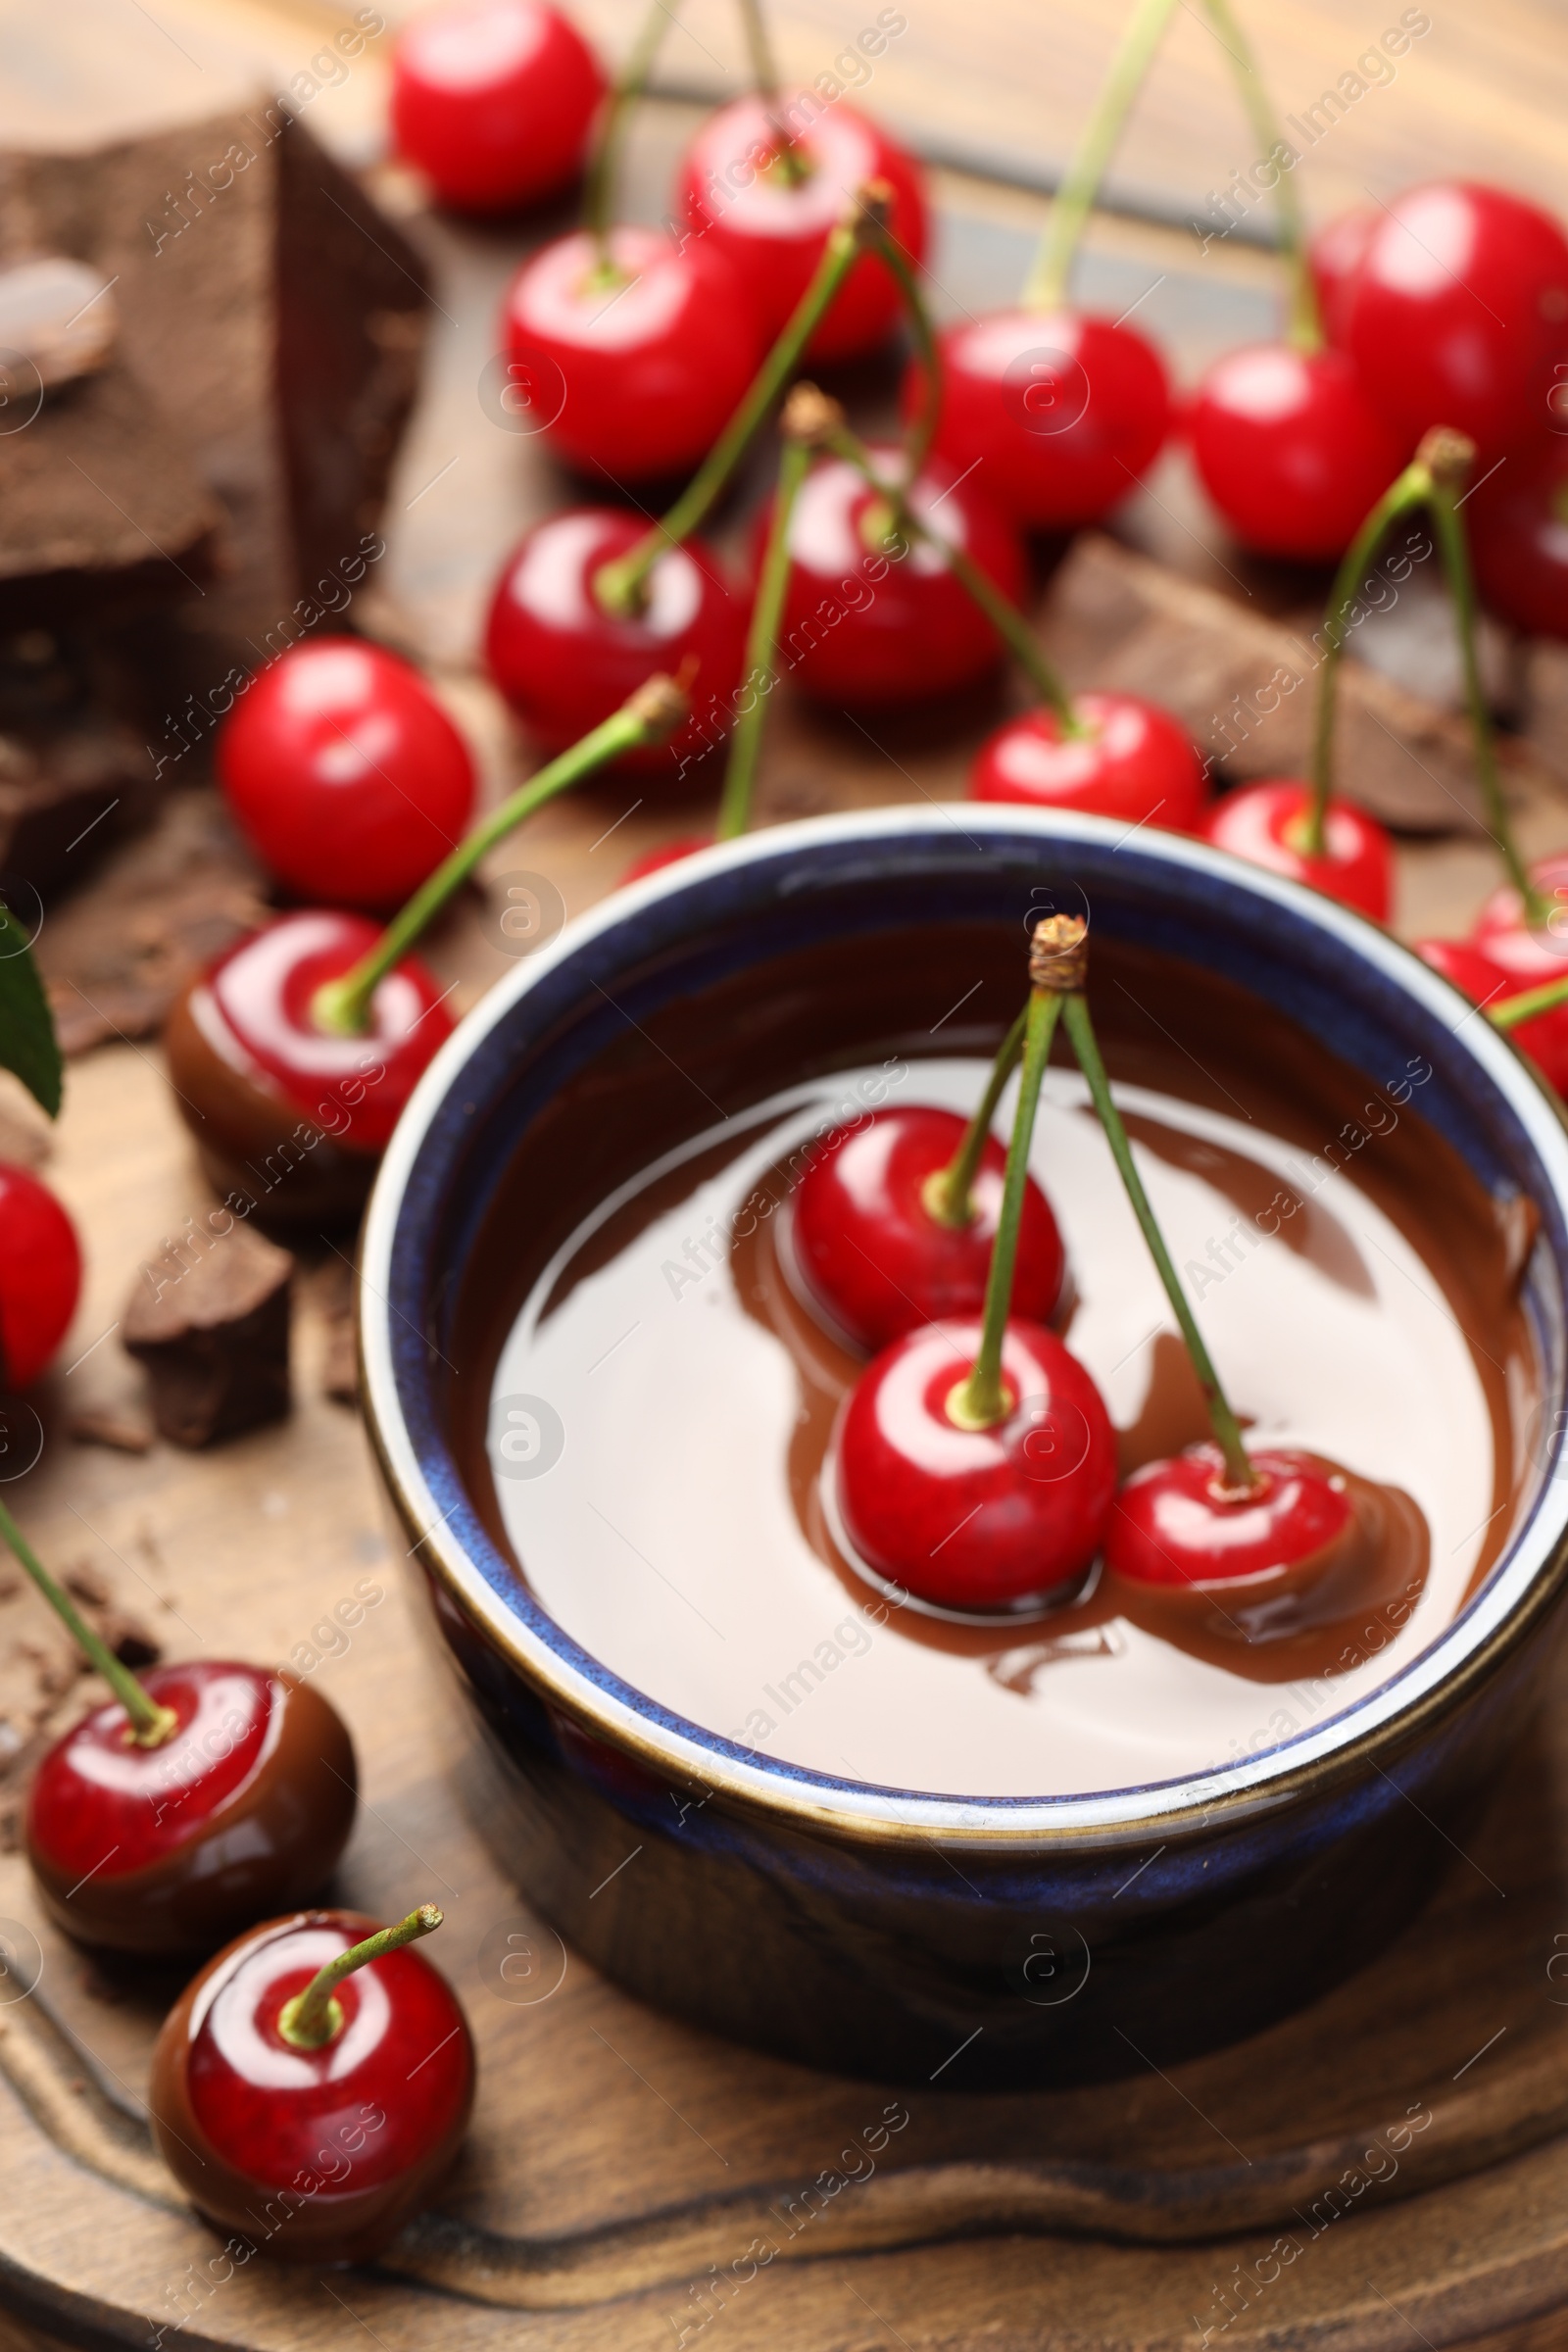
x=974, y=1463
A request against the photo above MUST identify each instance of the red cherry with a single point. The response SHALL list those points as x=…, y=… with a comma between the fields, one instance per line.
x=1177, y=1522
x=494, y=100
x=1519, y=539
x=40, y=1275
x=1336, y=257
x=251, y=1009
x=1137, y=765
x=638, y=376
x=872, y=1255
x=1262, y=823
x=166, y=1850
x=565, y=664
x=975, y=1519
x=318, y=2155
x=669, y=853
x=1471, y=968
x=1459, y=312
x=1064, y=412
x=345, y=774
x=1290, y=449
x=772, y=227
x=868, y=627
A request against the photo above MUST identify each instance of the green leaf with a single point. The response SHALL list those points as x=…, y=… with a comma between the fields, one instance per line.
x=27, y=1042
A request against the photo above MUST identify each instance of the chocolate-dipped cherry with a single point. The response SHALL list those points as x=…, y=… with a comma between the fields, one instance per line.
x=975, y=1461
x=1459, y=312
x=293, y=1054
x=1061, y=411
x=344, y=773
x=194, y=1798
x=494, y=100
x=1519, y=537
x=1119, y=756
x=894, y=1221
x=40, y=1275
x=313, y=2085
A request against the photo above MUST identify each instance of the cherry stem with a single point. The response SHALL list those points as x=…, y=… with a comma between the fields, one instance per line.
x=604, y=163
x=314, y=2016
x=983, y=1399
x=791, y=165
x=1305, y=333
x=1239, y=1474
x=647, y=717
x=762, y=642
x=1525, y=1006
x=948, y=1195
x=619, y=585
x=151, y=1723
x=1003, y=614
x=1046, y=288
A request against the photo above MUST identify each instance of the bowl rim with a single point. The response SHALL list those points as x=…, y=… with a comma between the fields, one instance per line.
x=1520, y=1589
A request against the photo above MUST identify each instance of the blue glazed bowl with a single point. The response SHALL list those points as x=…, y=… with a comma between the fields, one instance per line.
x=876, y=1930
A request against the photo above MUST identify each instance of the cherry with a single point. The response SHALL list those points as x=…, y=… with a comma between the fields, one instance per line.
x=1290, y=449
x=321, y=2149
x=668, y=853
x=344, y=773
x=1519, y=538
x=638, y=364
x=872, y=619
x=168, y=1849
x=1063, y=413
x=769, y=212
x=40, y=1275
x=1336, y=257
x=1136, y=762
x=1265, y=823
x=976, y=1519
x=1460, y=312
x=872, y=1255
x=564, y=663
x=1471, y=968
x=270, y=1096
x=1180, y=1523
x=494, y=100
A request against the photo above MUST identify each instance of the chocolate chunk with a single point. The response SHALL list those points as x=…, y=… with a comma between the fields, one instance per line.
x=210, y=1319
x=57, y=321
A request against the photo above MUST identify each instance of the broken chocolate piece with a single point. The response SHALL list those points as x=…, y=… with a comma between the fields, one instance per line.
x=57, y=322
x=210, y=1323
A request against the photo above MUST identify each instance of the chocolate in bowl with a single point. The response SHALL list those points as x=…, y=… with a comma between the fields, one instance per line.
x=875, y=1925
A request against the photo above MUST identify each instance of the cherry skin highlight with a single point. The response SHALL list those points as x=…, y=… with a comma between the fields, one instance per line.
x=1138, y=763
x=40, y=1275
x=771, y=226
x=975, y=1520
x=345, y=774
x=565, y=664
x=1262, y=823
x=1519, y=540
x=874, y=1259
x=1064, y=412
x=1291, y=450
x=1467, y=963
x=1459, y=314
x=319, y=2155
x=494, y=100
x=1177, y=1523
x=167, y=1851
x=1336, y=259
x=635, y=377
x=867, y=626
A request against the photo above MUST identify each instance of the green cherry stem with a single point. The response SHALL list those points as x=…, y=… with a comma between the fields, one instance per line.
x=1005, y=615
x=151, y=1723
x=314, y=2016
x=1065, y=966
x=1305, y=320
x=1525, y=1006
x=604, y=166
x=1047, y=287
x=787, y=162
x=984, y=1399
x=647, y=715
x=619, y=585
x=800, y=426
x=948, y=1195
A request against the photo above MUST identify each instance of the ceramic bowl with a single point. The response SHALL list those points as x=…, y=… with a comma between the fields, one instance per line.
x=881, y=1931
